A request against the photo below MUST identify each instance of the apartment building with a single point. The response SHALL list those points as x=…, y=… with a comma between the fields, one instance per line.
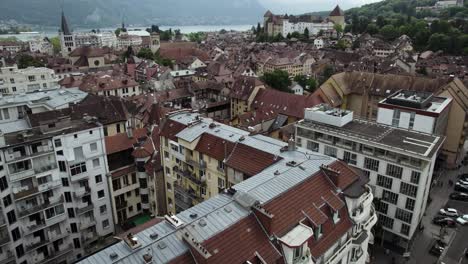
x=305, y=208
x=399, y=163
x=17, y=81
x=132, y=181
x=243, y=92
x=413, y=110
x=53, y=191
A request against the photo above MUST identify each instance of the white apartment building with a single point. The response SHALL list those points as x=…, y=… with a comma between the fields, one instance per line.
x=399, y=163
x=98, y=39
x=17, y=81
x=419, y=111
x=41, y=45
x=55, y=197
x=314, y=28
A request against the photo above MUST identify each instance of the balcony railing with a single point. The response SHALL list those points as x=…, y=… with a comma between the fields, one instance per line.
x=199, y=164
x=49, y=185
x=19, y=175
x=7, y=258
x=33, y=226
x=36, y=242
x=24, y=210
x=4, y=238
x=187, y=193
x=339, y=251
x=45, y=168
x=83, y=208
x=188, y=175
x=88, y=222
x=54, y=254
x=121, y=205
x=89, y=237
x=21, y=192
x=82, y=191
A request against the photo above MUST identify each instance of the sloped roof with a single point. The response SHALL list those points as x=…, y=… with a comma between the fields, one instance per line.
x=337, y=11
x=121, y=141
x=214, y=146
x=243, y=87
x=90, y=52
x=64, y=25
x=169, y=128
x=249, y=160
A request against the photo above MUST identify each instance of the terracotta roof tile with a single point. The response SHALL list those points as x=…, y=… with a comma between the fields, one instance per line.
x=121, y=141
x=250, y=160
x=123, y=171
x=214, y=146
x=170, y=128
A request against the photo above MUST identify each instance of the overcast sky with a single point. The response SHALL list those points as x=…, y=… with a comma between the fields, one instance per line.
x=304, y=6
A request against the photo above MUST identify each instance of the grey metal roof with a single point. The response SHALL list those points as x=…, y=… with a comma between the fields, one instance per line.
x=51, y=99
x=216, y=214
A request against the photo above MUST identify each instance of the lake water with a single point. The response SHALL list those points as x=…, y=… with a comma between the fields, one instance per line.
x=183, y=29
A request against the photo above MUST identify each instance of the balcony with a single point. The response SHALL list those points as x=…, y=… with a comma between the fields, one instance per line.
x=56, y=234
x=20, y=175
x=187, y=193
x=188, y=175
x=199, y=164
x=25, y=209
x=87, y=222
x=34, y=226
x=49, y=185
x=2, y=219
x=121, y=205
x=19, y=155
x=340, y=251
x=24, y=191
x=82, y=191
x=36, y=242
x=7, y=258
x=89, y=237
x=372, y=219
x=4, y=237
x=55, y=254
x=84, y=207
x=45, y=168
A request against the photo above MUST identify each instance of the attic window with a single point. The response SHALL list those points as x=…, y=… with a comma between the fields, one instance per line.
x=318, y=232
x=336, y=217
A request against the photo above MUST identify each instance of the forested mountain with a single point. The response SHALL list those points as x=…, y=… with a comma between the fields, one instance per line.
x=446, y=30
x=99, y=13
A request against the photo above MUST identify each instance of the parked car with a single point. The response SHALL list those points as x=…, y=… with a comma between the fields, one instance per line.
x=463, y=181
x=459, y=196
x=437, y=248
x=460, y=188
x=461, y=220
x=448, y=212
x=444, y=221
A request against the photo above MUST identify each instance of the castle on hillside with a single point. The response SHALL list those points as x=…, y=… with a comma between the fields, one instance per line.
x=287, y=24
x=440, y=5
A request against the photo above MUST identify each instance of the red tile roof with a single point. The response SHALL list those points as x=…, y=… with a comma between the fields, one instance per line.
x=121, y=141
x=285, y=103
x=347, y=175
x=250, y=160
x=248, y=238
x=214, y=146
x=123, y=171
x=243, y=87
x=170, y=128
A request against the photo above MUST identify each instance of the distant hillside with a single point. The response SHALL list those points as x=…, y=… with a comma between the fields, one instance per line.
x=90, y=13
x=392, y=18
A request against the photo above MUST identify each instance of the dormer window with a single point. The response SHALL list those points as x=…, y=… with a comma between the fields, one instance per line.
x=318, y=232
x=336, y=217
x=298, y=253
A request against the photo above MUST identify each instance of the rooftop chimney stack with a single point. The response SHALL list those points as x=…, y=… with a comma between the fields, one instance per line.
x=291, y=144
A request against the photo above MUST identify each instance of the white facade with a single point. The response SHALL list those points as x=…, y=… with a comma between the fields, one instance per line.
x=314, y=28
x=319, y=43
x=12, y=47
x=98, y=39
x=41, y=45
x=55, y=199
x=125, y=40
x=400, y=179
x=16, y=81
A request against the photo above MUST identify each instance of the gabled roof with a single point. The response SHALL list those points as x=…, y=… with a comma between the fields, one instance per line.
x=64, y=25
x=249, y=160
x=214, y=146
x=169, y=128
x=243, y=87
x=122, y=141
x=337, y=11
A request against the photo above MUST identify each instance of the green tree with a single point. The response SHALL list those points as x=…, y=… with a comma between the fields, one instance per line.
x=55, y=41
x=339, y=29
x=301, y=80
x=309, y=84
x=222, y=31
x=381, y=21
x=145, y=53
x=306, y=33
x=389, y=32
x=117, y=32
x=372, y=29
x=26, y=60
x=341, y=44
x=278, y=79
x=296, y=34
x=439, y=41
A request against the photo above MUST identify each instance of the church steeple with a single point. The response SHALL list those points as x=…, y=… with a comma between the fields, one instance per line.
x=64, y=25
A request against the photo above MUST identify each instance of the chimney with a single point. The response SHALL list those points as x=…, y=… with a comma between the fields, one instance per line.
x=291, y=144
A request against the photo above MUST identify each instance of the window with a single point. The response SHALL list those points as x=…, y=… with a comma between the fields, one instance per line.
x=125, y=180
x=71, y=212
x=403, y=215
x=139, y=204
x=7, y=201
x=336, y=217
x=103, y=209
x=93, y=146
x=405, y=229
x=60, y=153
x=350, y=158
x=32, y=78
x=396, y=117
x=411, y=121
x=382, y=207
x=221, y=183
x=386, y=221
x=168, y=186
x=76, y=242
x=6, y=114
x=134, y=180
x=137, y=191
x=15, y=233
x=96, y=163
x=19, y=251
x=371, y=164
x=129, y=193
x=297, y=254
x=62, y=166
x=312, y=146
x=54, y=211
x=408, y=189
x=118, y=128
x=11, y=217
x=3, y=183
x=78, y=152
x=74, y=227
x=220, y=165
x=330, y=151
x=90, y=132
x=65, y=182
x=394, y=171
x=385, y=182
x=105, y=223
x=98, y=178
x=415, y=175
x=318, y=232
x=68, y=197
x=390, y=197
x=410, y=204
x=100, y=194
x=78, y=168
x=75, y=136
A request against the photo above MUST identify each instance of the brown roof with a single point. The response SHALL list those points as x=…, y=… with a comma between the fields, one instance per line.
x=122, y=171
x=337, y=11
x=183, y=54
x=243, y=87
x=285, y=103
x=250, y=160
x=106, y=81
x=169, y=128
x=121, y=141
x=90, y=52
x=214, y=146
x=249, y=240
